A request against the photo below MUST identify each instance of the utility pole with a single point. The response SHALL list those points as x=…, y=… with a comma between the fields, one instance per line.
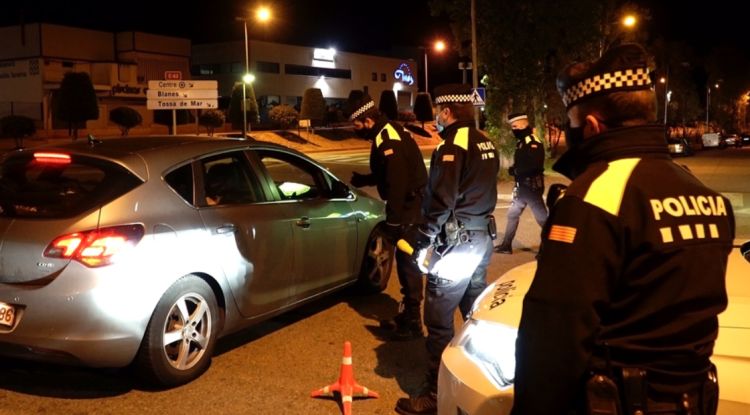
x=474, y=61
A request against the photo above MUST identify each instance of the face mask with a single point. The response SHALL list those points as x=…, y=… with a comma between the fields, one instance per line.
x=573, y=135
x=522, y=133
x=363, y=133
x=439, y=126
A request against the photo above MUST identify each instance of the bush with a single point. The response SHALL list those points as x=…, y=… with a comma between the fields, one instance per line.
x=284, y=115
x=75, y=102
x=388, y=105
x=313, y=106
x=211, y=119
x=406, y=116
x=235, y=106
x=423, y=108
x=125, y=118
x=17, y=127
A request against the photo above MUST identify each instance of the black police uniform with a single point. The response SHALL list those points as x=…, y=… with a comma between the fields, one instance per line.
x=462, y=185
x=631, y=274
x=528, y=170
x=400, y=175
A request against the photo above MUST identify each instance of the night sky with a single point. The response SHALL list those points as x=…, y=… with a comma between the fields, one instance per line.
x=387, y=24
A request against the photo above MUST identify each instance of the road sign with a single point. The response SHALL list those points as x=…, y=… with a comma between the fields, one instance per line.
x=188, y=84
x=173, y=75
x=181, y=104
x=477, y=97
x=182, y=94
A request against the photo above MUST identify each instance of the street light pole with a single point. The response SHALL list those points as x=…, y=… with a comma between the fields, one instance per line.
x=244, y=85
x=474, y=61
x=426, y=88
x=708, y=103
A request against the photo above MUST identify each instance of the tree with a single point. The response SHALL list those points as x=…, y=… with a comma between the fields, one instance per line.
x=284, y=115
x=164, y=117
x=313, y=106
x=17, y=127
x=211, y=119
x=75, y=102
x=125, y=118
x=235, y=106
x=423, y=107
x=388, y=105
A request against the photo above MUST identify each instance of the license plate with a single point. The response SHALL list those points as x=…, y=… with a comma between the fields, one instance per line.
x=7, y=314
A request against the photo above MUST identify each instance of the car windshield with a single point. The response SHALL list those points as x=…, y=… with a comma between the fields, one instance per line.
x=57, y=185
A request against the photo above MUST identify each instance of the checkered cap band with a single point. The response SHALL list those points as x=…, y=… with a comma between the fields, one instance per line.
x=627, y=79
x=361, y=110
x=453, y=98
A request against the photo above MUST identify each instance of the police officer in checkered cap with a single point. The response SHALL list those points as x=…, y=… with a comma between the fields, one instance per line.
x=458, y=224
x=622, y=311
x=398, y=171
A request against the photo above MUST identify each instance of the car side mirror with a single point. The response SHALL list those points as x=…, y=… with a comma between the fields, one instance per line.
x=745, y=250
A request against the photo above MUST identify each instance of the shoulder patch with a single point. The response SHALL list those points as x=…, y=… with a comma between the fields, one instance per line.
x=561, y=233
x=607, y=190
x=448, y=157
x=388, y=152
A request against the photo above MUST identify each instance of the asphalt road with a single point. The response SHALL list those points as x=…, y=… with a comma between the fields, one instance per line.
x=272, y=367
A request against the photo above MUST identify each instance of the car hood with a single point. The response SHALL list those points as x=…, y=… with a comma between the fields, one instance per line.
x=502, y=301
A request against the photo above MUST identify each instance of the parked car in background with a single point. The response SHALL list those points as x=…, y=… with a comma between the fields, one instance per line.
x=679, y=146
x=147, y=250
x=732, y=140
x=478, y=366
x=745, y=139
x=712, y=140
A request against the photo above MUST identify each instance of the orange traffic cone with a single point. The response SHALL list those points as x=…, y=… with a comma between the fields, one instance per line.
x=346, y=386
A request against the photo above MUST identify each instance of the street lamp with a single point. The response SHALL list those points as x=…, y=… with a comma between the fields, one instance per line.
x=628, y=21
x=262, y=14
x=438, y=46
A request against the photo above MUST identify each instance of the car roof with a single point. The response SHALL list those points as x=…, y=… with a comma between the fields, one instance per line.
x=141, y=154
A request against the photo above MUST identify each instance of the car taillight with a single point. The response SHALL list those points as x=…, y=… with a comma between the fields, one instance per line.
x=52, y=158
x=97, y=247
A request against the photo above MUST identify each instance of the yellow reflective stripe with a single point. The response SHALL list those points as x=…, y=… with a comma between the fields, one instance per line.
x=713, y=230
x=528, y=139
x=686, y=231
x=666, y=235
x=700, y=231
x=392, y=134
x=607, y=190
x=462, y=138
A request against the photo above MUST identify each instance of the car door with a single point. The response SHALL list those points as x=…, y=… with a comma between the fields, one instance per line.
x=255, y=236
x=325, y=226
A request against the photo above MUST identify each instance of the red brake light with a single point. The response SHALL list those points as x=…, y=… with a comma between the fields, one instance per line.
x=52, y=158
x=95, y=248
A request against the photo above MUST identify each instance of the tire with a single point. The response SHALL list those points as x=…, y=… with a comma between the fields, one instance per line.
x=189, y=315
x=377, y=263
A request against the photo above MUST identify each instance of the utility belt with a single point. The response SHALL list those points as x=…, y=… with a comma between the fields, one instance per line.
x=456, y=232
x=534, y=183
x=627, y=393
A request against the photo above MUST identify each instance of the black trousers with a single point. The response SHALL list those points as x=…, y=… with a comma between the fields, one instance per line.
x=444, y=294
x=410, y=278
x=523, y=197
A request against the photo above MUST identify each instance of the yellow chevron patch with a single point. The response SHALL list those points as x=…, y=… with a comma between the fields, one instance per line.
x=560, y=233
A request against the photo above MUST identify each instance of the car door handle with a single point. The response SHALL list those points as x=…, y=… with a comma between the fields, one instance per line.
x=303, y=222
x=228, y=228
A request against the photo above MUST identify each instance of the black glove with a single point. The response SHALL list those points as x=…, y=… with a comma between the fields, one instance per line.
x=359, y=179
x=512, y=170
x=392, y=232
x=555, y=192
x=413, y=241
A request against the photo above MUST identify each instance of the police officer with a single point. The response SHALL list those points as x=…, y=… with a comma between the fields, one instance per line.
x=462, y=193
x=528, y=171
x=398, y=171
x=630, y=279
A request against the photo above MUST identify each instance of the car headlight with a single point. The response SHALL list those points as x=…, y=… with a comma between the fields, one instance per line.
x=492, y=347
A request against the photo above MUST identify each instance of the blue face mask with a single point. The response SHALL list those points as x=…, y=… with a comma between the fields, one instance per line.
x=439, y=126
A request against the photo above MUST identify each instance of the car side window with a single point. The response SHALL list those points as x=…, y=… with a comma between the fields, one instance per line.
x=228, y=180
x=181, y=181
x=294, y=177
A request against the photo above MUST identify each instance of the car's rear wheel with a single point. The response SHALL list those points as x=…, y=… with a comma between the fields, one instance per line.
x=181, y=335
x=377, y=263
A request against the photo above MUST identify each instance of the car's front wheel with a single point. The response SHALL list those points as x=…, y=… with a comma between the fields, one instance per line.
x=181, y=335
x=377, y=263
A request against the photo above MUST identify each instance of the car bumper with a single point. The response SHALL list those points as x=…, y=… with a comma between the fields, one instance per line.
x=464, y=389
x=95, y=317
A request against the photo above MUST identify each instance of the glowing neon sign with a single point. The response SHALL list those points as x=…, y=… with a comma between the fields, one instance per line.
x=403, y=74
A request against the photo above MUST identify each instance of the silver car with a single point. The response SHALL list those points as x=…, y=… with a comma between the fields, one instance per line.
x=147, y=250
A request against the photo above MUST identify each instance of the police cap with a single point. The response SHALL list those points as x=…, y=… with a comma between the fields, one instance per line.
x=452, y=93
x=621, y=68
x=517, y=116
x=360, y=106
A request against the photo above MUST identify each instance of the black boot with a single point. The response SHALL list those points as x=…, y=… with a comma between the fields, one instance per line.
x=406, y=325
x=504, y=248
x=424, y=403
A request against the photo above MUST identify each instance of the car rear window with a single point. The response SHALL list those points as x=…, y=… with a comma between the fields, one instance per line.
x=55, y=185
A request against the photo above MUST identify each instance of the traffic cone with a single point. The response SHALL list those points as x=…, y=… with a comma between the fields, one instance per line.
x=346, y=386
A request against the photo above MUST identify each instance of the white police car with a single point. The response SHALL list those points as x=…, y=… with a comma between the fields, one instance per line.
x=477, y=367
